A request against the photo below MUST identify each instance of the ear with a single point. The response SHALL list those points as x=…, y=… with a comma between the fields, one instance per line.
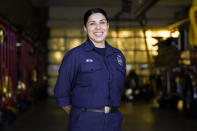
x=84, y=28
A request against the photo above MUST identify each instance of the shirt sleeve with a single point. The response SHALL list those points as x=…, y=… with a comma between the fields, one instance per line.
x=124, y=63
x=125, y=66
x=64, y=83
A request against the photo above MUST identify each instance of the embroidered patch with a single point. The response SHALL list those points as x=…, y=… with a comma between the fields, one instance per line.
x=119, y=59
x=89, y=60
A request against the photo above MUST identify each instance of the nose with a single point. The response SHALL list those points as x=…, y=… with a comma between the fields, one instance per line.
x=98, y=26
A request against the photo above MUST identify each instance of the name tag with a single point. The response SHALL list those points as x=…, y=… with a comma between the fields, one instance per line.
x=89, y=60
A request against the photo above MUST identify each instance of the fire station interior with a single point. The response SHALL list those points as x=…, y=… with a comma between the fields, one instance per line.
x=157, y=37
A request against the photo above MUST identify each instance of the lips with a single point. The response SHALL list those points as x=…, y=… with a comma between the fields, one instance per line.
x=98, y=34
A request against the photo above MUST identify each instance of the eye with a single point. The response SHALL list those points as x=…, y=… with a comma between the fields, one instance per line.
x=91, y=23
x=102, y=22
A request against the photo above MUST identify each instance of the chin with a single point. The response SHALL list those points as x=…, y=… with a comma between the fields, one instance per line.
x=99, y=40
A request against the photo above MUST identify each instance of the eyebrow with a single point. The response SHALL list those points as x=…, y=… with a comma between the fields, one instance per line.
x=99, y=20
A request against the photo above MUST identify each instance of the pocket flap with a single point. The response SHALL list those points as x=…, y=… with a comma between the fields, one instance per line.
x=90, y=67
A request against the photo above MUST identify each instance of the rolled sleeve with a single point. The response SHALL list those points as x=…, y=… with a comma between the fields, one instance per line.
x=65, y=79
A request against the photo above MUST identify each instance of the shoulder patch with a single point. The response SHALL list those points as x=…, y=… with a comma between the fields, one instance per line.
x=119, y=60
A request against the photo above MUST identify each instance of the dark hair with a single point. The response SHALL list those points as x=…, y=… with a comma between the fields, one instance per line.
x=92, y=11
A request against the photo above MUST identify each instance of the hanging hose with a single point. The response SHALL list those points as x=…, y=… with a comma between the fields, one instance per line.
x=193, y=24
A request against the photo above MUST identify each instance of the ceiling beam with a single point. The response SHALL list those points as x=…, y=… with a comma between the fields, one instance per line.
x=174, y=3
x=145, y=7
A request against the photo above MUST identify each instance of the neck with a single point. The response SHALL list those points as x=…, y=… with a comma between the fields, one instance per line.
x=99, y=45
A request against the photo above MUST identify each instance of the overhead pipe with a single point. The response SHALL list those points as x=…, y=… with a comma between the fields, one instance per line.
x=178, y=23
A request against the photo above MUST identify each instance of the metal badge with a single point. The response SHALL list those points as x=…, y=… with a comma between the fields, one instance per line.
x=119, y=59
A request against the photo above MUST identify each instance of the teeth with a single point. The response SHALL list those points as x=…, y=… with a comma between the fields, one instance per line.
x=98, y=34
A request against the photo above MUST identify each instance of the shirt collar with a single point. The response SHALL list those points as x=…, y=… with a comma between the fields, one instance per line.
x=89, y=46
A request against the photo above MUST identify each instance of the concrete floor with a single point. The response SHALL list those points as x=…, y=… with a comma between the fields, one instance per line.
x=138, y=116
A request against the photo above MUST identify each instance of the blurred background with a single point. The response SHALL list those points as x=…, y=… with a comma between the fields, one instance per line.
x=157, y=37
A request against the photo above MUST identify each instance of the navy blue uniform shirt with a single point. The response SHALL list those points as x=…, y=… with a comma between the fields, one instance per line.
x=89, y=79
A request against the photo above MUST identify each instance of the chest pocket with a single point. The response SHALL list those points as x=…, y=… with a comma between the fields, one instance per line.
x=90, y=67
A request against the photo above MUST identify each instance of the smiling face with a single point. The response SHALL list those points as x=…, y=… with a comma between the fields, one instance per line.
x=97, y=28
